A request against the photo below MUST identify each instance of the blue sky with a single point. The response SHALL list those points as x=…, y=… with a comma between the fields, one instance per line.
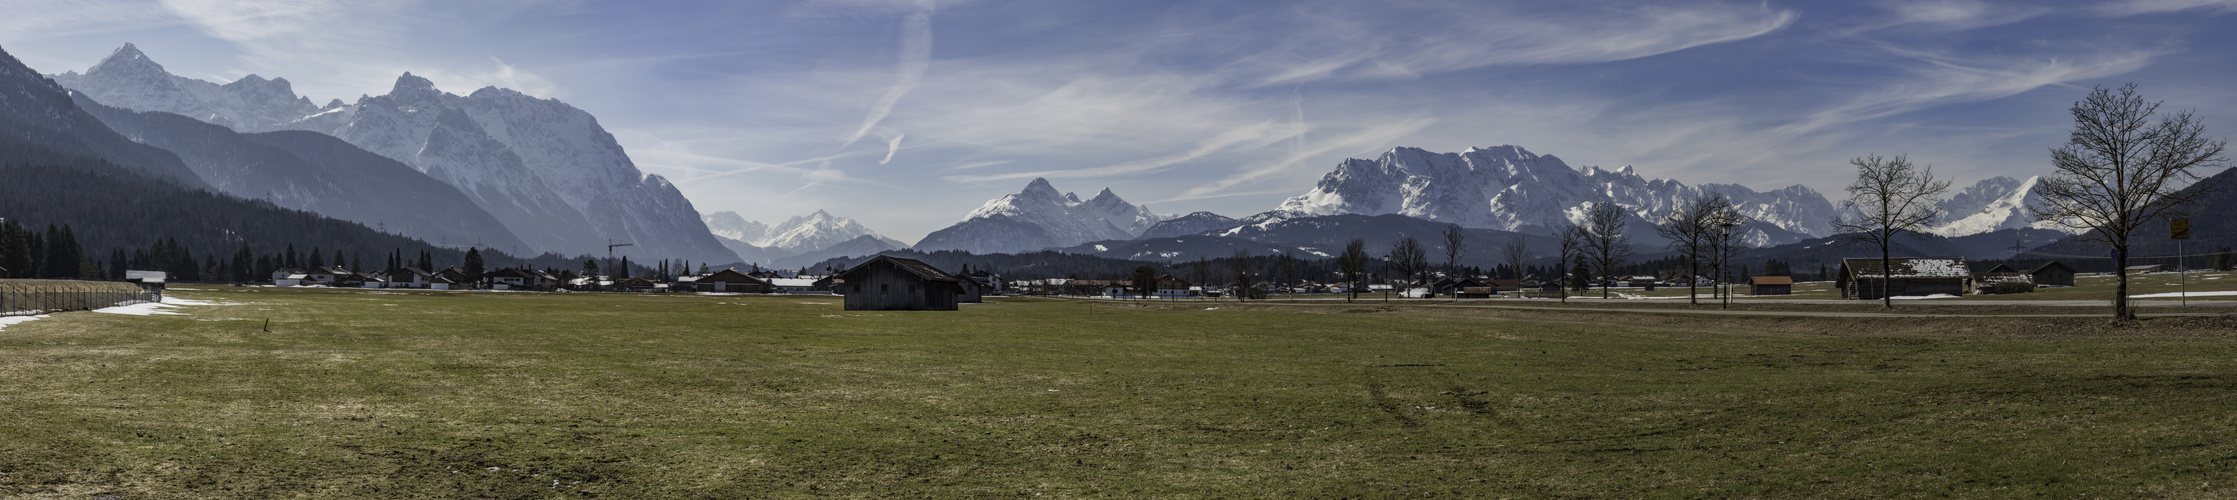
x=907, y=114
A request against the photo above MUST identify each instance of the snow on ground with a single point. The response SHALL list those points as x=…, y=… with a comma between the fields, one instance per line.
x=158, y=308
x=2170, y=295
x=1934, y=296
x=10, y=320
x=141, y=309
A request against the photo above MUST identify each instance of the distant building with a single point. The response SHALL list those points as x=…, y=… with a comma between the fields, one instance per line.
x=2144, y=269
x=288, y=276
x=731, y=281
x=1864, y=279
x=887, y=283
x=151, y=281
x=2053, y=273
x=1772, y=285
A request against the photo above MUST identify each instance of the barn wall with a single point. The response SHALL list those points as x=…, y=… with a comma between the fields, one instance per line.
x=885, y=287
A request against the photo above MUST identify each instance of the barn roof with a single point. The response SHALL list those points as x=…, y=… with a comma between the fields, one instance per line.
x=1774, y=280
x=912, y=266
x=2052, y=265
x=1909, y=267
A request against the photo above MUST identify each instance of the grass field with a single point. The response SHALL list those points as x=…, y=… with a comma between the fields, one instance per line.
x=385, y=394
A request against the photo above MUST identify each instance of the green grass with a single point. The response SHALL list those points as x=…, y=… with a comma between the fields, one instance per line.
x=356, y=394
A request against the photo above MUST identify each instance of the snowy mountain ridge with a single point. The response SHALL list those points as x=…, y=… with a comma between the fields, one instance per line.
x=1509, y=188
x=1994, y=204
x=1041, y=217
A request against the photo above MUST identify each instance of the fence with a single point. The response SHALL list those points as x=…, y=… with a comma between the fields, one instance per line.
x=30, y=297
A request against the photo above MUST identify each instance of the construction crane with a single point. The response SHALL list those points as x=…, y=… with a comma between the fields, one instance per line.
x=610, y=257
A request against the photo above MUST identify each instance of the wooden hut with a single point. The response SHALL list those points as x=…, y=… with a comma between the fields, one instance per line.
x=1864, y=279
x=887, y=283
x=1772, y=285
x=731, y=280
x=969, y=291
x=2053, y=273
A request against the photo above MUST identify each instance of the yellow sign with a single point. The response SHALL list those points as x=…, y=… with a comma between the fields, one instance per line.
x=2180, y=229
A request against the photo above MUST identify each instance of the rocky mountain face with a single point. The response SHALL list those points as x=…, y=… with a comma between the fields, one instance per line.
x=547, y=170
x=41, y=123
x=1040, y=217
x=1994, y=204
x=128, y=79
x=1194, y=223
x=1510, y=188
x=317, y=173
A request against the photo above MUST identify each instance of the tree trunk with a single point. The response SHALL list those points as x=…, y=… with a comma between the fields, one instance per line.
x=1693, y=277
x=1887, y=274
x=2120, y=286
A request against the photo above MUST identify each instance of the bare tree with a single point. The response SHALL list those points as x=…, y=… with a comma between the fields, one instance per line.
x=1244, y=272
x=2121, y=168
x=1408, y=259
x=1517, y=252
x=1353, y=263
x=1689, y=228
x=1454, y=239
x=1572, y=247
x=1891, y=198
x=1605, y=242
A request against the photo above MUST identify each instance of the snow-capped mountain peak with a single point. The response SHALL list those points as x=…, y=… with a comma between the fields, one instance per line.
x=1052, y=219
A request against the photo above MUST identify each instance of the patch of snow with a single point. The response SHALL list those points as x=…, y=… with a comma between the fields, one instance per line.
x=2171, y=295
x=10, y=320
x=140, y=309
x=1934, y=296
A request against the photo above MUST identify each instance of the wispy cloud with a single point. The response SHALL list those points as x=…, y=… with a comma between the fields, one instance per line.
x=915, y=59
x=1335, y=42
x=2137, y=7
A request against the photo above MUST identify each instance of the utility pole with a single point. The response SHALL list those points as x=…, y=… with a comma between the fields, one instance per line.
x=2179, y=230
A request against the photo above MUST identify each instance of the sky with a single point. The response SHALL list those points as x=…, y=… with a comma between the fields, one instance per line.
x=908, y=114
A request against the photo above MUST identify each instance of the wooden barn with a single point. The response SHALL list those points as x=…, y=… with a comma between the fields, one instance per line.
x=2053, y=273
x=1863, y=279
x=1772, y=285
x=888, y=283
x=731, y=281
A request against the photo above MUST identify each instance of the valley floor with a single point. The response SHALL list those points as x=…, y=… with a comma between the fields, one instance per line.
x=355, y=393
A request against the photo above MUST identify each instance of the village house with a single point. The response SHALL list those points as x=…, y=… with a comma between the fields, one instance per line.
x=2053, y=273
x=288, y=276
x=519, y=279
x=1864, y=279
x=887, y=283
x=792, y=285
x=1772, y=285
x=731, y=281
x=636, y=284
x=409, y=277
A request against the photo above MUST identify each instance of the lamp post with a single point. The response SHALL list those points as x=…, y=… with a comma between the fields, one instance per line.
x=1724, y=257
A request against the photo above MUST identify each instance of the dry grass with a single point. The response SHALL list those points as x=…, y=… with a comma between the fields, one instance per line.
x=357, y=394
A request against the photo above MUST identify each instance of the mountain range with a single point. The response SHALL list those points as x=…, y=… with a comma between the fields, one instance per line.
x=803, y=239
x=545, y=170
x=1039, y=217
